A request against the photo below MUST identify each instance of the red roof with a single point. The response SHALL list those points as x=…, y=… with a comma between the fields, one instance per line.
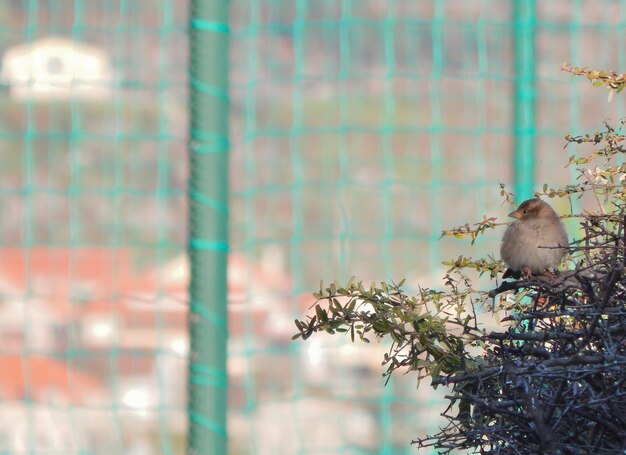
x=62, y=276
x=39, y=378
x=53, y=269
x=102, y=273
x=77, y=282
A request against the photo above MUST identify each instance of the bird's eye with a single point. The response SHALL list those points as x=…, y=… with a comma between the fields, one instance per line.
x=523, y=211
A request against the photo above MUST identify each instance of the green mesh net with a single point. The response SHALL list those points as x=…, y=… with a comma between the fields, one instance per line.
x=359, y=130
x=93, y=337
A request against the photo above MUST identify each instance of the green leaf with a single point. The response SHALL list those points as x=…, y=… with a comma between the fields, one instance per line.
x=322, y=314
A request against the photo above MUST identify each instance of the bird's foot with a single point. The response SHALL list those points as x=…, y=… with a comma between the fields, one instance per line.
x=549, y=276
x=526, y=273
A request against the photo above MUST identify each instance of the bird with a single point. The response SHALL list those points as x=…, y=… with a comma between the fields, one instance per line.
x=535, y=242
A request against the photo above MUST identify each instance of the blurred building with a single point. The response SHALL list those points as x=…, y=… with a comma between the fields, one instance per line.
x=57, y=68
x=126, y=327
x=83, y=350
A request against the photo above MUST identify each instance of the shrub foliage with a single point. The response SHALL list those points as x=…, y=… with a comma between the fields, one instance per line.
x=553, y=379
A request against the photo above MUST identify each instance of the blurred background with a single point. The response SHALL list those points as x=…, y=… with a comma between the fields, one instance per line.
x=359, y=129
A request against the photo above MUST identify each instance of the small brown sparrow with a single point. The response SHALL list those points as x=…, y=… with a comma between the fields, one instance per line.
x=535, y=242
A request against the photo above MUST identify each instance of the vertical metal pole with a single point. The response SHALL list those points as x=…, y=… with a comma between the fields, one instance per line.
x=208, y=226
x=524, y=23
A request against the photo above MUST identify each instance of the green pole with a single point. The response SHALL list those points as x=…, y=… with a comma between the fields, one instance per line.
x=208, y=226
x=524, y=21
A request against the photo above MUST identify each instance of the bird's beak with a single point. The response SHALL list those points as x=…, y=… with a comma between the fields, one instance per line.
x=515, y=214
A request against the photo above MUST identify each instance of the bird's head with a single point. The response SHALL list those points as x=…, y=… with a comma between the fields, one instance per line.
x=531, y=209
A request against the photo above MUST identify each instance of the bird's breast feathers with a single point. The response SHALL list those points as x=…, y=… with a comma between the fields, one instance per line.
x=522, y=242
